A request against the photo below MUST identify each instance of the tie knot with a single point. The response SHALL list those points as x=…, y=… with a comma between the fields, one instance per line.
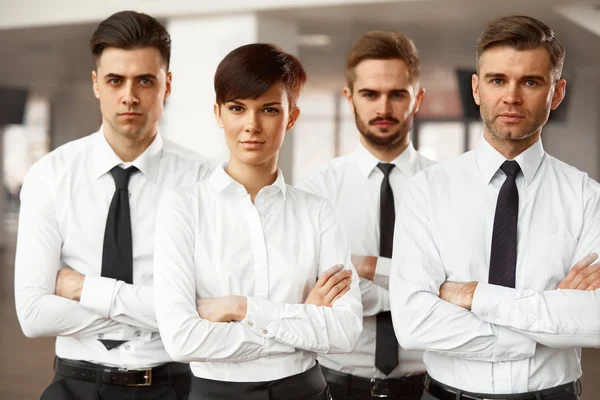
x=510, y=168
x=386, y=168
x=121, y=176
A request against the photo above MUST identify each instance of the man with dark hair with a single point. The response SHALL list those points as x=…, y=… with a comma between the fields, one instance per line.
x=83, y=269
x=383, y=90
x=484, y=274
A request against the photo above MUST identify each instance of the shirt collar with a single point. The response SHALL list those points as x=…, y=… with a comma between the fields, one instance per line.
x=106, y=159
x=367, y=162
x=220, y=181
x=489, y=160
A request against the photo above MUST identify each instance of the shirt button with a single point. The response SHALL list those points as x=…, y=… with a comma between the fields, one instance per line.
x=250, y=324
x=484, y=314
x=100, y=335
x=499, y=316
x=265, y=331
x=129, y=194
x=501, y=363
x=127, y=347
x=138, y=333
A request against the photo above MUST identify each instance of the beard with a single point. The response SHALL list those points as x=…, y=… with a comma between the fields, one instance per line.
x=389, y=140
x=518, y=132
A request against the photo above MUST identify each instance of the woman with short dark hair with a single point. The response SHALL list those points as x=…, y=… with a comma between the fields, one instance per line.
x=253, y=277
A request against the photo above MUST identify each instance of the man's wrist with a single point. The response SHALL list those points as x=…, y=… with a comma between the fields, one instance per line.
x=470, y=293
x=241, y=308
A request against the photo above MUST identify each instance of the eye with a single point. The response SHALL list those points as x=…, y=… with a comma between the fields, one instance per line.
x=235, y=109
x=271, y=110
x=368, y=95
x=497, y=81
x=146, y=82
x=531, y=83
x=114, y=81
x=398, y=95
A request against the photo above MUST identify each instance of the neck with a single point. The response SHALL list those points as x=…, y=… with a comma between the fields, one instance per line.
x=386, y=153
x=128, y=148
x=511, y=148
x=252, y=177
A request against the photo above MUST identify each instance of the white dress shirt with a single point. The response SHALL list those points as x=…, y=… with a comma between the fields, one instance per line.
x=64, y=205
x=353, y=184
x=513, y=340
x=213, y=242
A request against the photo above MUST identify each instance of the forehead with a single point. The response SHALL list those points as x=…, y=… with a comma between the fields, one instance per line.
x=131, y=62
x=512, y=62
x=382, y=75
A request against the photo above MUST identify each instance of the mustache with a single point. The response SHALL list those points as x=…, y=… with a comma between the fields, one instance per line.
x=383, y=119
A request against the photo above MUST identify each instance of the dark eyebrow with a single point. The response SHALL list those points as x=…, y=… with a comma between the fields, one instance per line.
x=494, y=75
x=366, y=90
x=497, y=75
x=239, y=103
x=143, y=76
x=533, y=78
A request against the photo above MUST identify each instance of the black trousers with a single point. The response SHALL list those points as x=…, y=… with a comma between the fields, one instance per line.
x=339, y=392
x=562, y=396
x=63, y=388
x=309, y=385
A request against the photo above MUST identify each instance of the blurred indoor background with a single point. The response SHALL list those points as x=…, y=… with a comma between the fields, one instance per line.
x=46, y=97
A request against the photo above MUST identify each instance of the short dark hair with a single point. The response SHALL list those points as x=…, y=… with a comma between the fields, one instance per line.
x=522, y=33
x=251, y=70
x=382, y=45
x=131, y=30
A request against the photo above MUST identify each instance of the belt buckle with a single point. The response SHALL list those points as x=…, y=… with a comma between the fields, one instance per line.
x=147, y=377
x=375, y=389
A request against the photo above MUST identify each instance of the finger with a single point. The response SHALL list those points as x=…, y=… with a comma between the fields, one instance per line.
x=342, y=293
x=595, y=285
x=584, y=276
x=589, y=279
x=337, y=278
x=335, y=290
x=578, y=267
x=328, y=274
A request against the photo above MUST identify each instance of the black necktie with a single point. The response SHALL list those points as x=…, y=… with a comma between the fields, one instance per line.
x=386, y=344
x=117, y=252
x=503, y=257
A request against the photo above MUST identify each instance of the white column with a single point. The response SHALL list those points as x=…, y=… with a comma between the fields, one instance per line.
x=198, y=45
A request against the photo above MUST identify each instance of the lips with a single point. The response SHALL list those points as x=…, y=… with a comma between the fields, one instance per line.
x=510, y=117
x=252, y=144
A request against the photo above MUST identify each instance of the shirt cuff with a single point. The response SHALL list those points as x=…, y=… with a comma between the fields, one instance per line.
x=262, y=317
x=383, y=266
x=494, y=304
x=97, y=294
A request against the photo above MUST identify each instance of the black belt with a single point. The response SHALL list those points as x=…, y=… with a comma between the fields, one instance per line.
x=392, y=387
x=445, y=392
x=84, y=371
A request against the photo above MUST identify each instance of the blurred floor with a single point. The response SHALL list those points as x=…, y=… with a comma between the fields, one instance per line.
x=27, y=366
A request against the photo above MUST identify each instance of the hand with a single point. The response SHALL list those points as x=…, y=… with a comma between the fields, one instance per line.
x=331, y=285
x=459, y=294
x=222, y=309
x=583, y=276
x=365, y=266
x=69, y=284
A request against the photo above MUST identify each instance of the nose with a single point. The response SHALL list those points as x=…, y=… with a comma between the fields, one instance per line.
x=384, y=106
x=129, y=95
x=513, y=94
x=252, y=124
